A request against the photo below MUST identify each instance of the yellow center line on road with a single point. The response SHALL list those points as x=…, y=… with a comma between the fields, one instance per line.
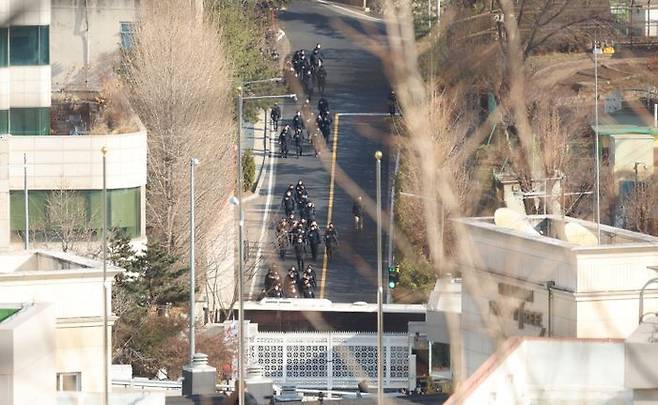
x=330, y=208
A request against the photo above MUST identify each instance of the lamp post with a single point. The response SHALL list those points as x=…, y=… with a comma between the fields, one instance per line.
x=106, y=360
x=193, y=164
x=241, y=340
x=27, y=209
x=597, y=208
x=380, y=289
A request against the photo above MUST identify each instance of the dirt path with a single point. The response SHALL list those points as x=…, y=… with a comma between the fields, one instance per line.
x=560, y=72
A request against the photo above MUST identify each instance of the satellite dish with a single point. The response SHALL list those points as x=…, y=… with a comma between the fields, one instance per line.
x=510, y=219
x=579, y=235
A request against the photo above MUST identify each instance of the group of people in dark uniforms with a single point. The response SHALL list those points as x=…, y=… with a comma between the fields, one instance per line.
x=299, y=231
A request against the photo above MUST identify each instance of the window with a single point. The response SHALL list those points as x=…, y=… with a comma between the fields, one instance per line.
x=4, y=122
x=29, y=45
x=30, y=121
x=4, y=47
x=68, y=381
x=124, y=211
x=127, y=30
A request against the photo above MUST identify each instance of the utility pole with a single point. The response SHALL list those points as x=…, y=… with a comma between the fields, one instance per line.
x=380, y=289
x=193, y=164
x=597, y=208
x=106, y=296
x=27, y=209
x=241, y=343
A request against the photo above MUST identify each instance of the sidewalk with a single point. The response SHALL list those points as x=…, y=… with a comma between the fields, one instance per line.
x=255, y=136
x=258, y=205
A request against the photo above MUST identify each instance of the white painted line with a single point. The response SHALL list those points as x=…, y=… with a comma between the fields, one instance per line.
x=263, y=229
x=360, y=15
x=347, y=10
x=365, y=114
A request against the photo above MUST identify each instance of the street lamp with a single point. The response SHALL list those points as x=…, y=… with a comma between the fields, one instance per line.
x=241, y=343
x=106, y=360
x=380, y=289
x=596, y=52
x=193, y=164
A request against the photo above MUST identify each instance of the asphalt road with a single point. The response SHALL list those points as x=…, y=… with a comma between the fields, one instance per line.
x=356, y=83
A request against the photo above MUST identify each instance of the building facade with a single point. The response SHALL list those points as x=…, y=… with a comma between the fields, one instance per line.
x=27, y=350
x=73, y=286
x=64, y=168
x=516, y=284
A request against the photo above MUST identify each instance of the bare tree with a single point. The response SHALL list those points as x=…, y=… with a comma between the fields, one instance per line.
x=179, y=82
x=67, y=218
x=639, y=207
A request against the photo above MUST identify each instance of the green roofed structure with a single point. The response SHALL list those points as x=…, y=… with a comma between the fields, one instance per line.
x=7, y=312
x=628, y=140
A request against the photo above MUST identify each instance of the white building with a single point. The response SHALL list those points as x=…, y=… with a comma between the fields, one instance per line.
x=532, y=370
x=73, y=287
x=539, y=285
x=33, y=52
x=27, y=354
x=526, y=370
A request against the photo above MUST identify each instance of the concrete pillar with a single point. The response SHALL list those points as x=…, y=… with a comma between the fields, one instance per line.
x=199, y=378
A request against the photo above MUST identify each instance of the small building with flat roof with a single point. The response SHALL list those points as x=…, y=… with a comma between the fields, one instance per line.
x=73, y=288
x=27, y=354
x=515, y=283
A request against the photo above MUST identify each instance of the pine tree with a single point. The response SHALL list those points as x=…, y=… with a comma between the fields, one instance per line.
x=121, y=254
x=158, y=280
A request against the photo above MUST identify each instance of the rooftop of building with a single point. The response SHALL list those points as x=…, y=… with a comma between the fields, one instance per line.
x=43, y=262
x=7, y=312
x=550, y=230
x=632, y=118
x=87, y=112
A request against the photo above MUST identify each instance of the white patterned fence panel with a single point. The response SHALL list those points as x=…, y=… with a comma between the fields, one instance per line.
x=329, y=360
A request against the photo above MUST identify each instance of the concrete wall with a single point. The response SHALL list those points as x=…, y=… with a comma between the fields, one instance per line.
x=77, y=304
x=72, y=296
x=626, y=150
x=71, y=162
x=27, y=347
x=221, y=261
x=480, y=326
x=589, y=372
x=80, y=349
x=596, y=294
x=77, y=161
x=73, y=45
x=25, y=86
x=116, y=398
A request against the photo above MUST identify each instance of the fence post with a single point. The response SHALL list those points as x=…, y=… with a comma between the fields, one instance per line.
x=285, y=359
x=330, y=362
x=387, y=361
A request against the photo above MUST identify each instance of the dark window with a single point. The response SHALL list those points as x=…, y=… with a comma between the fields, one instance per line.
x=30, y=121
x=4, y=121
x=127, y=30
x=4, y=47
x=69, y=381
x=29, y=45
x=83, y=207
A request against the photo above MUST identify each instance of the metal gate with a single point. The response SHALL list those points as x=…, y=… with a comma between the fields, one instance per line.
x=329, y=360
